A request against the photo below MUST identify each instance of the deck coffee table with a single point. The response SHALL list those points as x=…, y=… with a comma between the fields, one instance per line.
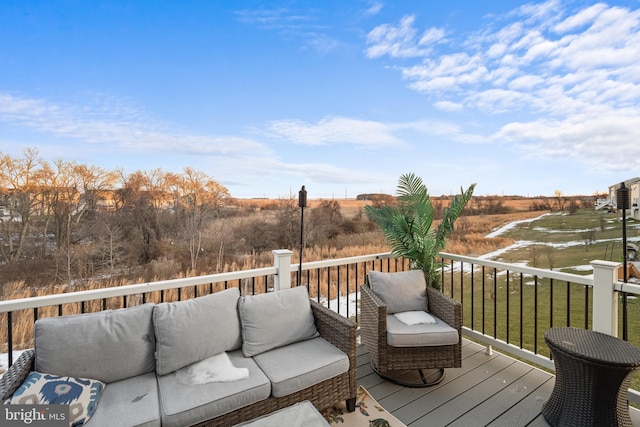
x=593, y=372
x=301, y=414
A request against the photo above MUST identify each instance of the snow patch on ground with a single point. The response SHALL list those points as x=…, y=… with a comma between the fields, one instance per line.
x=512, y=225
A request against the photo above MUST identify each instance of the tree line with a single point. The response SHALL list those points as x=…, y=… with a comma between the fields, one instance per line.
x=64, y=222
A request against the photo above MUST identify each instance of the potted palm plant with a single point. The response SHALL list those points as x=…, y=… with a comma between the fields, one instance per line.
x=408, y=227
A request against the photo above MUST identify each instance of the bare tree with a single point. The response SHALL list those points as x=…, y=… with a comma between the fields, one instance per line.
x=197, y=199
x=21, y=190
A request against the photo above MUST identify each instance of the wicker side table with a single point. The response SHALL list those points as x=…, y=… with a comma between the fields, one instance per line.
x=593, y=372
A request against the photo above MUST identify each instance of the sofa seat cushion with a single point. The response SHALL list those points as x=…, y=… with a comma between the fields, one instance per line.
x=188, y=404
x=193, y=330
x=300, y=365
x=130, y=402
x=107, y=346
x=420, y=335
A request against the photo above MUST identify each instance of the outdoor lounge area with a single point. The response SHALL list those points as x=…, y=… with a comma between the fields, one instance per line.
x=489, y=388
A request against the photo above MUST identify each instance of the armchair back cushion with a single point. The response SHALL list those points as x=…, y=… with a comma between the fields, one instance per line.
x=275, y=319
x=193, y=330
x=107, y=346
x=401, y=291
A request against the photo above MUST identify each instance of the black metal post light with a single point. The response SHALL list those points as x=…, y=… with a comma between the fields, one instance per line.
x=302, y=203
x=622, y=202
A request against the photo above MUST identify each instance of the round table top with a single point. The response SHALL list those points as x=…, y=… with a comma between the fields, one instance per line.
x=594, y=346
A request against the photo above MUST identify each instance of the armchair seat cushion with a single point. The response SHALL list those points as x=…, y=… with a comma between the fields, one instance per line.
x=420, y=335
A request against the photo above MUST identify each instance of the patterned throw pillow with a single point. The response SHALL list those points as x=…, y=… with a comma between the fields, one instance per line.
x=80, y=394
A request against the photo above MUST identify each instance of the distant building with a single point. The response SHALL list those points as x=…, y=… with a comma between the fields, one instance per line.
x=610, y=202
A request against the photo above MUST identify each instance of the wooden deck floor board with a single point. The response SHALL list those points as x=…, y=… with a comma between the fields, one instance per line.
x=450, y=389
x=473, y=356
x=501, y=402
x=477, y=396
x=489, y=390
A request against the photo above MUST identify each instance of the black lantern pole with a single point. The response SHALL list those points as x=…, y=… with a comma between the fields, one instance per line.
x=302, y=203
x=622, y=196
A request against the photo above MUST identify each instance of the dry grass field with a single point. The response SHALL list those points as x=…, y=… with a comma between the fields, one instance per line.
x=469, y=239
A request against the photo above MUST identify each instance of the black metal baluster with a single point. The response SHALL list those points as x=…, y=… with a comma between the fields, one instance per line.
x=535, y=315
x=338, y=289
x=473, y=316
x=483, y=296
x=462, y=289
x=568, y=304
x=318, y=274
x=507, y=308
x=521, y=308
x=451, y=266
x=329, y=287
x=10, y=337
x=551, y=303
x=495, y=302
x=348, y=291
x=586, y=307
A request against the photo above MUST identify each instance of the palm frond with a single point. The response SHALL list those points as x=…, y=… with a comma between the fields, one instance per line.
x=445, y=228
x=408, y=227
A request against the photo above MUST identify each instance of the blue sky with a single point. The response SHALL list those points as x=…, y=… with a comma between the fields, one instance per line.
x=340, y=96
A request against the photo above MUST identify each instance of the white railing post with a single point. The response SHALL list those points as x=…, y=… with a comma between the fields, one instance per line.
x=605, y=299
x=282, y=262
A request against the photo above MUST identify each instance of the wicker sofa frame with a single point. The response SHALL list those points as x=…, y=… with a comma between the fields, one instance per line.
x=385, y=358
x=336, y=329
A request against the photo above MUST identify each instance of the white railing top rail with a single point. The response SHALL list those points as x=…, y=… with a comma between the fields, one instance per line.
x=341, y=261
x=531, y=271
x=139, y=288
x=119, y=291
x=630, y=288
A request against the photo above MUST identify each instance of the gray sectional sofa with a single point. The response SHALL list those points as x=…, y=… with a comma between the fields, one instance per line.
x=288, y=348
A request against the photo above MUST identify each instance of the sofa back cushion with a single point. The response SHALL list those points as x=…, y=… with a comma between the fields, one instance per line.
x=275, y=319
x=193, y=330
x=107, y=346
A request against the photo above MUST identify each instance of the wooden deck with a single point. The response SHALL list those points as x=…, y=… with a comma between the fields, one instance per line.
x=489, y=390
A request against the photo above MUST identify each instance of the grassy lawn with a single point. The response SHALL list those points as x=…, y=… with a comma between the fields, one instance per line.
x=504, y=305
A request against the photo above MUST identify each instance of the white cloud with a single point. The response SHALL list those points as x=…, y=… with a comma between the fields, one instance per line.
x=605, y=141
x=574, y=73
x=580, y=19
x=300, y=26
x=432, y=35
x=335, y=130
x=117, y=124
x=401, y=41
x=449, y=106
x=374, y=9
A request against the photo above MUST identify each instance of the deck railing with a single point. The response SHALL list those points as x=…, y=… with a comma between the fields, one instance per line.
x=506, y=306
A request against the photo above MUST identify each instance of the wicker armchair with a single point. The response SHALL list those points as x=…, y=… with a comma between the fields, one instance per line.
x=406, y=365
